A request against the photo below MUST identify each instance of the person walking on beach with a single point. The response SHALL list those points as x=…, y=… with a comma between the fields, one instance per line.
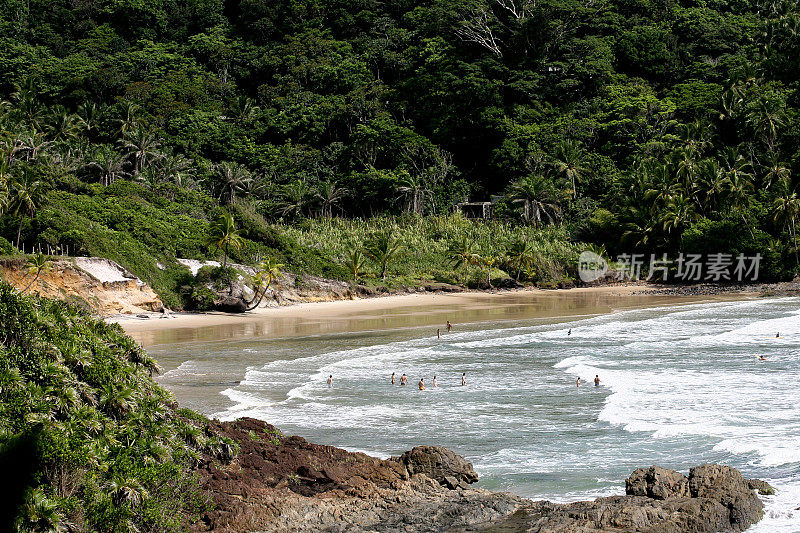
x=578, y=383
x=463, y=378
x=403, y=380
x=435, y=385
x=392, y=378
x=421, y=383
x=449, y=325
x=330, y=381
x=596, y=381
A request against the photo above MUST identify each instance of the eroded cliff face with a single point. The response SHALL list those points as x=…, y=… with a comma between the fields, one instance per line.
x=98, y=285
x=277, y=483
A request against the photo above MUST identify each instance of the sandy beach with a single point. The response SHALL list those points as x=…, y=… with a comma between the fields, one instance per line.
x=400, y=311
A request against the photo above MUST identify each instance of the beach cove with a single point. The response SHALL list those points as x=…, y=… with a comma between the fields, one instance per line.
x=680, y=382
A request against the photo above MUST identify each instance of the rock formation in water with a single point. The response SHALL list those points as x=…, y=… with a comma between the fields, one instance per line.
x=278, y=483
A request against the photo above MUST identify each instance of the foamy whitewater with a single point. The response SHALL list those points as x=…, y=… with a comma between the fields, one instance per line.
x=680, y=386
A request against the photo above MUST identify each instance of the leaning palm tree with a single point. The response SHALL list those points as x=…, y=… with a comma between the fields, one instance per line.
x=231, y=178
x=224, y=235
x=569, y=163
x=268, y=271
x=329, y=196
x=35, y=265
x=539, y=199
x=462, y=253
x=383, y=249
x=25, y=197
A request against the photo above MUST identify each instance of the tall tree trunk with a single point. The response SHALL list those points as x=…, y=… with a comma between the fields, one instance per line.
x=19, y=231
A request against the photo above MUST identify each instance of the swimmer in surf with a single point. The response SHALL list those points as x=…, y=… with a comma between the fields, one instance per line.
x=421, y=383
x=449, y=325
x=392, y=378
x=403, y=380
x=435, y=385
x=330, y=381
x=762, y=358
x=597, y=381
x=578, y=383
x=438, y=333
x=463, y=378
x=569, y=332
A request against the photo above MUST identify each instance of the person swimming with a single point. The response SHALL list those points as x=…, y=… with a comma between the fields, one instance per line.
x=463, y=378
x=435, y=385
x=569, y=332
x=578, y=383
x=403, y=380
x=597, y=381
x=449, y=325
x=330, y=381
x=421, y=383
x=392, y=378
x=762, y=358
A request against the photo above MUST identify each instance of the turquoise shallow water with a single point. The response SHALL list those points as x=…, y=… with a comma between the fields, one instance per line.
x=680, y=386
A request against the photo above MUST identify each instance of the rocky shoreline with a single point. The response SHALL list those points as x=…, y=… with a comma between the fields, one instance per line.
x=274, y=483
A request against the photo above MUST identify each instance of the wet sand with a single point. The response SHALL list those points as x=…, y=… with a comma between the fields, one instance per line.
x=398, y=312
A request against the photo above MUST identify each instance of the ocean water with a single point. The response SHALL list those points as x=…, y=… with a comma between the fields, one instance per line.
x=680, y=386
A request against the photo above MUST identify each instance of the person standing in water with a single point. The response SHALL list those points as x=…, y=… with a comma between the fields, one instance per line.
x=777, y=335
x=403, y=380
x=463, y=378
x=569, y=332
x=438, y=333
x=578, y=383
x=392, y=378
x=597, y=381
x=421, y=383
x=330, y=381
x=449, y=325
x=435, y=385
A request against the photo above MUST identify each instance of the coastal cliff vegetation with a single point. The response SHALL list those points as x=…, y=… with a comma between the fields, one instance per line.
x=339, y=135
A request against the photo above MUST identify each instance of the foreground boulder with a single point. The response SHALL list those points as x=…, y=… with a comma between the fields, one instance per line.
x=440, y=464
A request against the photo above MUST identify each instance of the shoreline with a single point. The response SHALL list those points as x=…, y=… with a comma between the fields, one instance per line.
x=395, y=311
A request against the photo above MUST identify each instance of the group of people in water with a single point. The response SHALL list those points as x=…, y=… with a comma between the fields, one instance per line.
x=421, y=384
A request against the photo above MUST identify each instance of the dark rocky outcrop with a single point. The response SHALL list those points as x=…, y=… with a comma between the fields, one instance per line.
x=276, y=483
x=713, y=498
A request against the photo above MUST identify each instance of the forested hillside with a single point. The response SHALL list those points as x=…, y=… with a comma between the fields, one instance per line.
x=647, y=126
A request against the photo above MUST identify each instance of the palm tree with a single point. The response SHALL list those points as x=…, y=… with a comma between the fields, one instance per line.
x=711, y=180
x=175, y=168
x=231, y=178
x=129, y=121
x=110, y=165
x=775, y=170
x=243, y=109
x=329, y=196
x=568, y=162
x=412, y=188
x=354, y=261
x=295, y=198
x=142, y=147
x=26, y=196
x=678, y=214
x=739, y=183
x=462, y=252
x=91, y=116
x=268, y=271
x=36, y=264
x=224, y=235
x=766, y=117
x=787, y=208
x=383, y=249
x=539, y=199
x=63, y=125
x=519, y=256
